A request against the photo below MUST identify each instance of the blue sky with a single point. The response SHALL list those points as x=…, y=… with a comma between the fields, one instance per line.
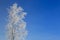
x=43, y=18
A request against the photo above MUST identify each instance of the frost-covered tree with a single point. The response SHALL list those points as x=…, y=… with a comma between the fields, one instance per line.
x=16, y=27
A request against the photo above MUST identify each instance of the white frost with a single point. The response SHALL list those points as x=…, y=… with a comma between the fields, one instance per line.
x=16, y=27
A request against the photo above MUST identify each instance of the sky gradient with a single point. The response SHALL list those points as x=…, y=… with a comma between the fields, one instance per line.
x=43, y=18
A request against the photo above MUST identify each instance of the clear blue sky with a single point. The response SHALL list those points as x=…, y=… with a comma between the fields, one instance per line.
x=43, y=18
